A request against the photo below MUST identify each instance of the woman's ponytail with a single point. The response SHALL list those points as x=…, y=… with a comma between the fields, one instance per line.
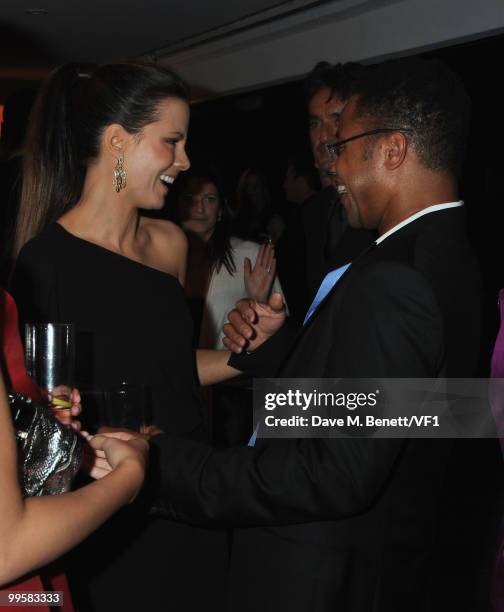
x=53, y=170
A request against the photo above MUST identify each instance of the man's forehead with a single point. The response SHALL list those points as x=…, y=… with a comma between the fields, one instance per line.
x=325, y=101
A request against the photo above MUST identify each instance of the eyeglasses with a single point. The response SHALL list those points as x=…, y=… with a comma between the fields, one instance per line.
x=335, y=148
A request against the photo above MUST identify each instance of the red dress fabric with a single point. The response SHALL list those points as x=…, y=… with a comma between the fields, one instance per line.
x=50, y=578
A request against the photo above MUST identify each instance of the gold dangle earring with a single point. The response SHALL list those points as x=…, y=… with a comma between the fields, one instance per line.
x=119, y=180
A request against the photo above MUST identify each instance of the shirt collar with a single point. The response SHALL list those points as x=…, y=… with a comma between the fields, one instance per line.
x=417, y=215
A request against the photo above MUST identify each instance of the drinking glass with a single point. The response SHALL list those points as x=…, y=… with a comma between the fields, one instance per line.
x=50, y=360
x=127, y=406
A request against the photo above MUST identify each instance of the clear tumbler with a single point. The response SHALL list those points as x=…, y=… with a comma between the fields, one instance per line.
x=50, y=360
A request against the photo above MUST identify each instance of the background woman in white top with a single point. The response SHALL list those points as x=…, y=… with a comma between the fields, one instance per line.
x=221, y=269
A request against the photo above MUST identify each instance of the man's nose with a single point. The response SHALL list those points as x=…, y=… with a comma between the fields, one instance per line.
x=326, y=133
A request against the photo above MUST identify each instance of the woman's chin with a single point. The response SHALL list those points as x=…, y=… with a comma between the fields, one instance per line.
x=153, y=205
x=200, y=229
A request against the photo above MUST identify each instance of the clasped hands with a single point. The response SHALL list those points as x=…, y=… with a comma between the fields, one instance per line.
x=251, y=323
x=111, y=446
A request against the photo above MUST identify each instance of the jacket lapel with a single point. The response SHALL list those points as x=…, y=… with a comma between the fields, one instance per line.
x=354, y=265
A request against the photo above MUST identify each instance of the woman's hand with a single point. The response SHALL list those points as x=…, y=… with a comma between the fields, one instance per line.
x=112, y=453
x=146, y=432
x=258, y=280
x=66, y=416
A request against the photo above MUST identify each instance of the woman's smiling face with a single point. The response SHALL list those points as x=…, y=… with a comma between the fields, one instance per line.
x=157, y=154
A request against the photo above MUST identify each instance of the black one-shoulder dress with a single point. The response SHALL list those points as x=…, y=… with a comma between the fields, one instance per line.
x=133, y=324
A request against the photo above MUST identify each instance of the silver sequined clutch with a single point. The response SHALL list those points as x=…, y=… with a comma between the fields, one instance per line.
x=49, y=453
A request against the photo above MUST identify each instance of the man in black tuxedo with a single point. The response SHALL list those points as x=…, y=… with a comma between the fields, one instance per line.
x=351, y=524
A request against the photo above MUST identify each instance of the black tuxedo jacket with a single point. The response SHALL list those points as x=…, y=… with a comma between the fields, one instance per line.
x=329, y=241
x=347, y=524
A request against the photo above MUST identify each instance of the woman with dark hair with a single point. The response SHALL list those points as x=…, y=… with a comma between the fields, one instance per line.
x=104, y=143
x=219, y=266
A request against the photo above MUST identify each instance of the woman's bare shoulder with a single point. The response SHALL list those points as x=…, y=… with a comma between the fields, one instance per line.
x=167, y=245
x=160, y=231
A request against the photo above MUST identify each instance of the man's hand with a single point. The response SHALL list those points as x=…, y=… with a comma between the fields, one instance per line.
x=252, y=323
x=258, y=279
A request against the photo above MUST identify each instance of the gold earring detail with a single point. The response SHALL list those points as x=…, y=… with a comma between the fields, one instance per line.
x=119, y=180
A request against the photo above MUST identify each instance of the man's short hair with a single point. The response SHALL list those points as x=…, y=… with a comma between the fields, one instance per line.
x=340, y=79
x=426, y=97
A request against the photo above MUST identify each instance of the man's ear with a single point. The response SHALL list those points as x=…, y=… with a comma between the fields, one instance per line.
x=394, y=150
x=115, y=140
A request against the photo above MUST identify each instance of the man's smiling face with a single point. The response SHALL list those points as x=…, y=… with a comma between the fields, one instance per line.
x=355, y=172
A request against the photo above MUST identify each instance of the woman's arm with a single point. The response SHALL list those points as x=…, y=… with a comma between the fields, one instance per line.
x=250, y=325
x=213, y=366
x=36, y=530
